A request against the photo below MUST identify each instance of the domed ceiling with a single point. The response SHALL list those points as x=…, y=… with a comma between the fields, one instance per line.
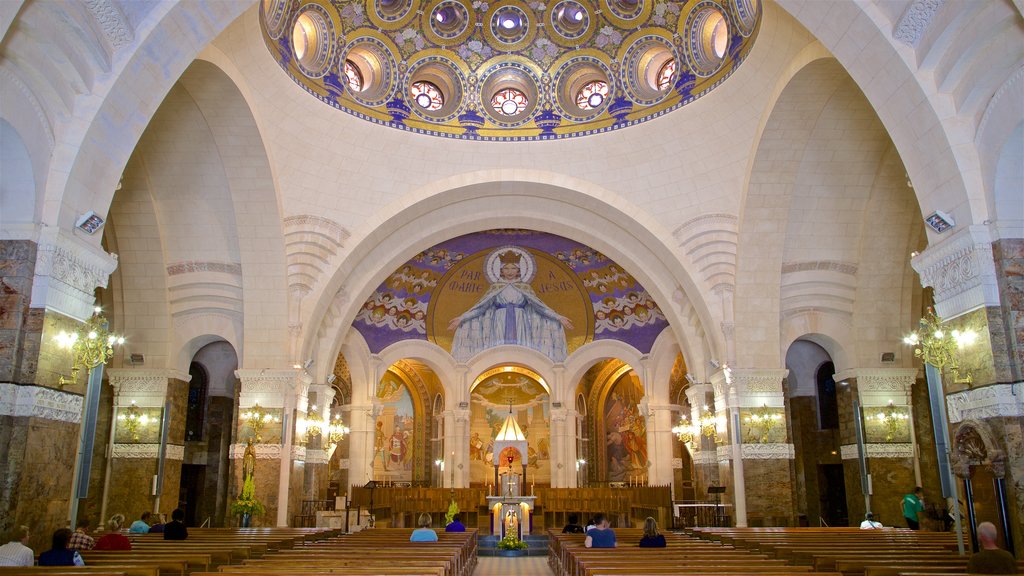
x=509, y=70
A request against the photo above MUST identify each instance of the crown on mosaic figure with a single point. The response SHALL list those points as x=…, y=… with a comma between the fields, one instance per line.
x=509, y=257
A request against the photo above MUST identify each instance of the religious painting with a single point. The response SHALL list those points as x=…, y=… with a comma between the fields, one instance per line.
x=393, y=445
x=510, y=286
x=625, y=431
x=499, y=392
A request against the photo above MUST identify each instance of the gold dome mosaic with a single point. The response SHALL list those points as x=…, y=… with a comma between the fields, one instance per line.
x=509, y=70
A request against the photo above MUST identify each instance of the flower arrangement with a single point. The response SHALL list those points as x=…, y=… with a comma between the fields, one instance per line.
x=510, y=542
x=247, y=502
x=453, y=509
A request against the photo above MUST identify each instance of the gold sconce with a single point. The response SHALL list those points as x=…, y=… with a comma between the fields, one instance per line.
x=313, y=423
x=133, y=420
x=935, y=346
x=893, y=420
x=765, y=419
x=91, y=345
x=256, y=417
x=708, y=425
x=336, y=431
x=683, y=430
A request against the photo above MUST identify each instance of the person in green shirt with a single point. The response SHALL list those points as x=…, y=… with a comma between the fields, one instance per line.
x=912, y=506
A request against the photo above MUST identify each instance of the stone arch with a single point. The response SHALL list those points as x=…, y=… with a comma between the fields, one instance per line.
x=197, y=334
x=828, y=331
x=974, y=444
x=518, y=355
x=18, y=185
x=1009, y=181
x=592, y=353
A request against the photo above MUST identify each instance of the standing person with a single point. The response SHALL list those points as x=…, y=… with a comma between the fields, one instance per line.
x=991, y=559
x=601, y=535
x=113, y=539
x=573, y=527
x=16, y=552
x=175, y=529
x=652, y=538
x=455, y=525
x=140, y=526
x=81, y=540
x=424, y=533
x=912, y=507
x=869, y=522
x=59, y=554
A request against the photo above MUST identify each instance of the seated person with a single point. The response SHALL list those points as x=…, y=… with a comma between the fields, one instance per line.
x=80, y=539
x=601, y=535
x=652, y=538
x=59, y=554
x=16, y=552
x=158, y=526
x=573, y=527
x=424, y=533
x=175, y=529
x=114, y=540
x=869, y=522
x=990, y=559
x=140, y=526
x=455, y=525
x=590, y=524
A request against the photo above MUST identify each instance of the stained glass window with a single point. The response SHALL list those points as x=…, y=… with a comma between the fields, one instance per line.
x=592, y=95
x=354, y=76
x=427, y=95
x=665, y=74
x=509, y=101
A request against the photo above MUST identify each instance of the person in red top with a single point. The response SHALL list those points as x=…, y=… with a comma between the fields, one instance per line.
x=114, y=540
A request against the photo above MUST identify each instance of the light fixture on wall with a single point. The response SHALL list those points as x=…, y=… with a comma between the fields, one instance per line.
x=313, y=423
x=91, y=345
x=936, y=346
x=939, y=221
x=336, y=431
x=765, y=419
x=893, y=420
x=89, y=222
x=683, y=430
x=134, y=419
x=709, y=425
x=256, y=418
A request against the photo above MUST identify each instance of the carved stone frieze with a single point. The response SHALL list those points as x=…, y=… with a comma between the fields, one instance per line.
x=768, y=451
x=962, y=271
x=144, y=387
x=848, y=268
x=882, y=450
x=298, y=452
x=174, y=451
x=995, y=401
x=314, y=456
x=39, y=402
x=263, y=451
x=704, y=457
x=67, y=273
x=271, y=388
x=879, y=386
x=915, y=19
x=190, y=267
x=112, y=21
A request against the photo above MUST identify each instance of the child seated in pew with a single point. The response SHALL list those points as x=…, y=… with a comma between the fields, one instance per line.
x=114, y=540
x=601, y=535
x=652, y=538
x=424, y=533
x=573, y=527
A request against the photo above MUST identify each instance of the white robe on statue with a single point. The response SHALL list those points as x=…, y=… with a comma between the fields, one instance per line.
x=510, y=313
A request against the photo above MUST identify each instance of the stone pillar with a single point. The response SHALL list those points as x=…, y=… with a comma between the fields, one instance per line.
x=159, y=396
x=890, y=445
x=757, y=445
x=278, y=393
x=659, y=444
x=316, y=480
x=563, y=447
x=461, y=446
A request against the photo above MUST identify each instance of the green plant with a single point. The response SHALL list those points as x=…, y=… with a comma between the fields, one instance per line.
x=510, y=542
x=247, y=502
x=453, y=509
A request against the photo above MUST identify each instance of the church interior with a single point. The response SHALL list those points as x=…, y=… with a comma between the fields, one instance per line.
x=313, y=268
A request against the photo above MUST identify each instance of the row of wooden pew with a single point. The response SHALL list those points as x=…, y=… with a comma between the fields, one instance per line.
x=277, y=552
x=885, y=552
x=683, y=554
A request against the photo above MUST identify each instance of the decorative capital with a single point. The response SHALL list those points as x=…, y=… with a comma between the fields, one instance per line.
x=67, y=273
x=146, y=388
x=879, y=386
x=995, y=401
x=758, y=387
x=272, y=388
x=962, y=271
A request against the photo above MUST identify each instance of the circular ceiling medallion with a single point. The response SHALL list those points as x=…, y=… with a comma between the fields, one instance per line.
x=510, y=70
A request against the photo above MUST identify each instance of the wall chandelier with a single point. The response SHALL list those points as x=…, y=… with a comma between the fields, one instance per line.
x=511, y=70
x=91, y=345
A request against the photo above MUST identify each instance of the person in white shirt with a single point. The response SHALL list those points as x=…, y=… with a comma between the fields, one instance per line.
x=15, y=552
x=869, y=522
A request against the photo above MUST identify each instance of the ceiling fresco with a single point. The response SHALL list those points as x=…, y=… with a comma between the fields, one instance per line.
x=510, y=287
x=510, y=70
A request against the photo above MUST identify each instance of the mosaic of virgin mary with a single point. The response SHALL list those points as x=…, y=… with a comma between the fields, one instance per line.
x=510, y=312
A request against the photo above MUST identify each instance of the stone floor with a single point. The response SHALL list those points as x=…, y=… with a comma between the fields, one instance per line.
x=525, y=566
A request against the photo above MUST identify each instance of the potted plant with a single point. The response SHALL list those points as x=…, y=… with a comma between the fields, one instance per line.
x=247, y=505
x=511, y=546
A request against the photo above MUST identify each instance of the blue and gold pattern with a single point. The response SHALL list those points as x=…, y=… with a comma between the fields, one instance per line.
x=625, y=43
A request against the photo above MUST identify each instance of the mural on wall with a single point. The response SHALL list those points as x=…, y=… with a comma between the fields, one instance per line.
x=393, y=445
x=625, y=431
x=510, y=286
x=491, y=399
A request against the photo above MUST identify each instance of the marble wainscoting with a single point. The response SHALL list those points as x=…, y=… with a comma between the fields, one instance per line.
x=770, y=487
x=267, y=478
x=21, y=327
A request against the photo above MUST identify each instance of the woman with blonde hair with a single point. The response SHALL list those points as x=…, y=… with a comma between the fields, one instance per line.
x=113, y=539
x=424, y=533
x=652, y=538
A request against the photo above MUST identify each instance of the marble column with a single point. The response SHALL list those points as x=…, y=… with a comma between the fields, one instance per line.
x=563, y=447
x=159, y=397
x=890, y=445
x=279, y=394
x=756, y=447
x=659, y=444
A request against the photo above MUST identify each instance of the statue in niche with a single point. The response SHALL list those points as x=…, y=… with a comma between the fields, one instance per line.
x=511, y=523
x=510, y=312
x=248, y=461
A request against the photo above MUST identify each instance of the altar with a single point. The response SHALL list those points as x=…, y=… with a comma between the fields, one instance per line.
x=511, y=510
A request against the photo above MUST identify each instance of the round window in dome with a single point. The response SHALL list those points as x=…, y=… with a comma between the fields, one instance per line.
x=427, y=95
x=510, y=24
x=311, y=40
x=592, y=95
x=509, y=101
x=708, y=43
x=570, y=19
x=353, y=76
